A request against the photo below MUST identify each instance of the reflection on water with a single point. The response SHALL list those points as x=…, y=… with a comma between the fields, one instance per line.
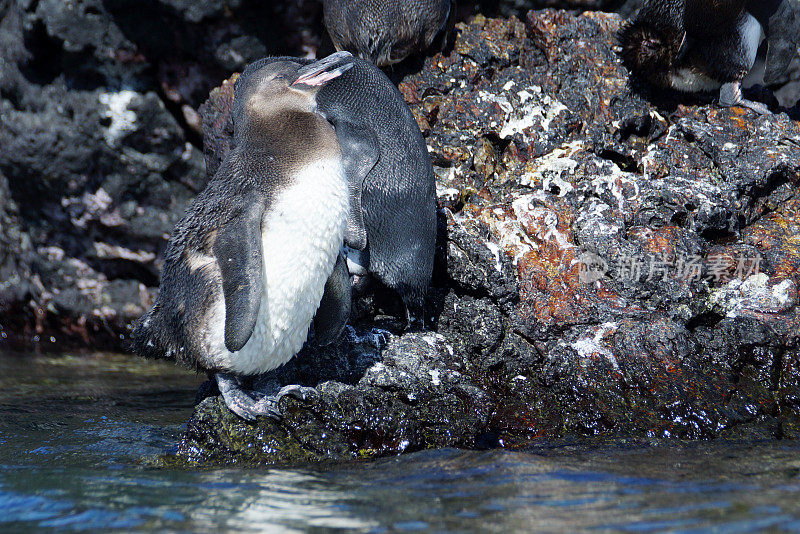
x=73, y=429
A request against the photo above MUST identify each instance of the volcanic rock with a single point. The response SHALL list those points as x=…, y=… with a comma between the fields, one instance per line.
x=613, y=264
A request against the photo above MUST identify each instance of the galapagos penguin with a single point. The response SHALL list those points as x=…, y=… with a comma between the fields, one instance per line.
x=703, y=45
x=386, y=31
x=258, y=253
x=392, y=226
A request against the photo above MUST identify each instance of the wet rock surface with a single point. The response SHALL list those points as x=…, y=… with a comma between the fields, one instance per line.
x=610, y=266
x=611, y=262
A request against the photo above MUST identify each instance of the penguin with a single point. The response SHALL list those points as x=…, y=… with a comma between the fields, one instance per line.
x=386, y=31
x=783, y=36
x=258, y=254
x=702, y=45
x=391, y=230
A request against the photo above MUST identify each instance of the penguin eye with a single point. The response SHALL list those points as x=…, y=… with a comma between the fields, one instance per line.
x=274, y=76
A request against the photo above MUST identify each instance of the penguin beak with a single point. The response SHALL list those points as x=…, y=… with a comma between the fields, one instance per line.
x=322, y=71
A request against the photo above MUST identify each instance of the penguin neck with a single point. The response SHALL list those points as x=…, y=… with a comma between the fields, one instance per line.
x=286, y=140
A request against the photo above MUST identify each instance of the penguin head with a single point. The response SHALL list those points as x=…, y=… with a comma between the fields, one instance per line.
x=649, y=51
x=266, y=89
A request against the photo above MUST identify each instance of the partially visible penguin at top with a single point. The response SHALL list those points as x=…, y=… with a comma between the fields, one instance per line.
x=386, y=31
x=324, y=154
x=704, y=45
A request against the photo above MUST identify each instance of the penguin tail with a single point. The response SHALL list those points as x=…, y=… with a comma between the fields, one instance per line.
x=150, y=337
x=647, y=50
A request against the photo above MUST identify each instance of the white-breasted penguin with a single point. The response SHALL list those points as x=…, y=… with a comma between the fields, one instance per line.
x=386, y=31
x=392, y=224
x=258, y=252
x=704, y=45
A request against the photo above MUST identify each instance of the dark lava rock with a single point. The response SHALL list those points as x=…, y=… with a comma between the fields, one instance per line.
x=98, y=149
x=548, y=164
x=508, y=8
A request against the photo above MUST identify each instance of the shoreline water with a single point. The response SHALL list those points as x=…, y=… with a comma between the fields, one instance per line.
x=74, y=430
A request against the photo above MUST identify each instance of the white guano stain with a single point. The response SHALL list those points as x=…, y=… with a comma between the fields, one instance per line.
x=494, y=249
x=590, y=346
x=535, y=108
x=551, y=168
x=754, y=294
x=122, y=119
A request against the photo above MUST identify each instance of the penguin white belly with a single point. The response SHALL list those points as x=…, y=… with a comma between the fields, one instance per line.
x=691, y=80
x=302, y=234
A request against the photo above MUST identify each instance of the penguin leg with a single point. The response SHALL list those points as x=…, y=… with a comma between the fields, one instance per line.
x=236, y=398
x=250, y=404
x=357, y=261
x=334, y=309
x=731, y=95
x=415, y=317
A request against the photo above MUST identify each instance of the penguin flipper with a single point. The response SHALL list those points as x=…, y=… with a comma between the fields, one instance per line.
x=334, y=309
x=783, y=39
x=360, y=153
x=240, y=258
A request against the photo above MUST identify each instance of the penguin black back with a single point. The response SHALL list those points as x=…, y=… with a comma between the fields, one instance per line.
x=781, y=18
x=399, y=193
x=385, y=31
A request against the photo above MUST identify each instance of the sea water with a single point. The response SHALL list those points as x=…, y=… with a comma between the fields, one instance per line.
x=74, y=431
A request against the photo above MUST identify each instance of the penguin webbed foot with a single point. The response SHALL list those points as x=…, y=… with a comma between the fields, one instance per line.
x=415, y=318
x=250, y=404
x=414, y=323
x=731, y=95
x=269, y=405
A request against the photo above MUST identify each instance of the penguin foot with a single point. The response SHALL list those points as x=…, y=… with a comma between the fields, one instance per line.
x=250, y=404
x=731, y=95
x=415, y=318
x=758, y=107
x=269, y=405
x=236, y=398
